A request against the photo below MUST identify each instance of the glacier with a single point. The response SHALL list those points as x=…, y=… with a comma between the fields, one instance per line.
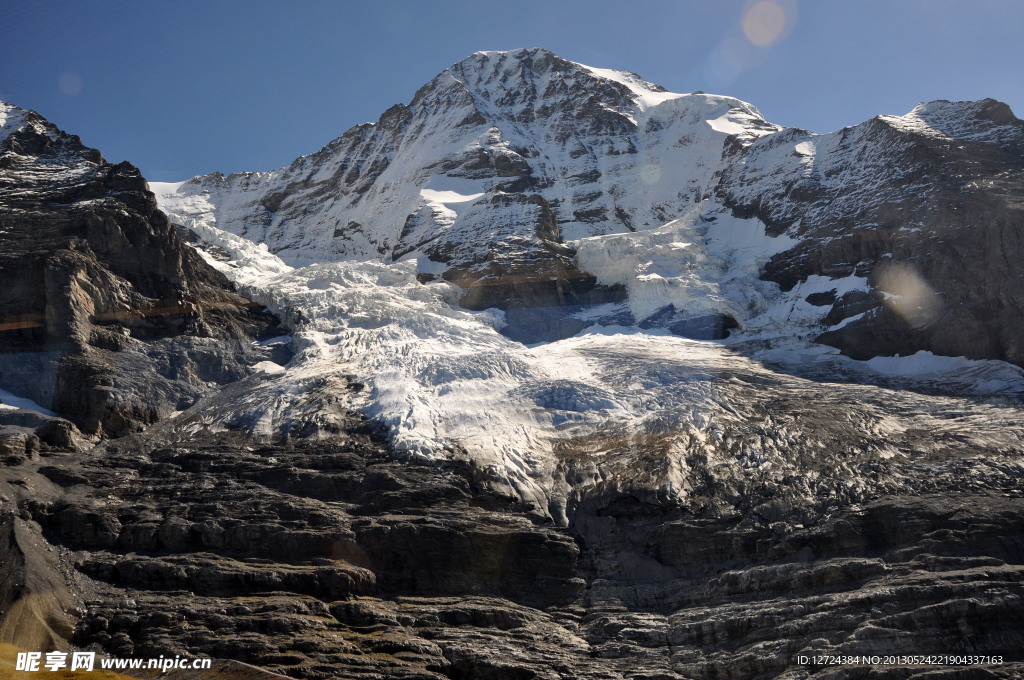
x=447, y=385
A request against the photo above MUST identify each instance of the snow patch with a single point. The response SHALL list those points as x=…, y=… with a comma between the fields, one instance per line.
x=727, y=125
x=12, y=119
x=706, y=262
x=446, y=197
x=647, y=94
x=164, y=191
x=848, y=320
x=921, y=364
x=268, y=367
x=11, y=402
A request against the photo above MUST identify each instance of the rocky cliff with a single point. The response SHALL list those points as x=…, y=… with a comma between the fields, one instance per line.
x=107, y=317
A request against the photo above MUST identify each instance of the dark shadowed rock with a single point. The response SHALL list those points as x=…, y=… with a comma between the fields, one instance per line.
x=707, y=327
x=105, y=315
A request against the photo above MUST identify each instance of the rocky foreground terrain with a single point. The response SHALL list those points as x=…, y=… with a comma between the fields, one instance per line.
x=200, y=475
x=327, y=558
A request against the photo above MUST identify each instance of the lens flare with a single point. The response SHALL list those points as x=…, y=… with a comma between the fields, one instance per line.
x=764, y=23
x=909, y=295
x=70, y=84
x=650, y=174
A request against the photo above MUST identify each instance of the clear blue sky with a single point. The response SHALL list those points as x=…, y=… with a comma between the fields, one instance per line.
x=182, y=88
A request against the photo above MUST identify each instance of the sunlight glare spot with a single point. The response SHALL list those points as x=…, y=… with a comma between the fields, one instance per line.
x=909, y=295
x=764, y=22
x=70, y=84
x=650, y=174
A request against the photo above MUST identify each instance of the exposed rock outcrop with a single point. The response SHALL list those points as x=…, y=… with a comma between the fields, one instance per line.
x=106, y=317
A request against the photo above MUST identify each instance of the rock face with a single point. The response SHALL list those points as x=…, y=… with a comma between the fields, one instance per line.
x=106, y=316
x=327, y=558
x=416, y=496
x=927, y=206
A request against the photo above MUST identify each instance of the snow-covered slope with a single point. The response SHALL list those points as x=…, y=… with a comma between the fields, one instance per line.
x=615, y=407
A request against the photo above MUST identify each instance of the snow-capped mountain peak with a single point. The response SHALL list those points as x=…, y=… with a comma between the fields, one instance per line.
x=525, y=82
x=603, y=151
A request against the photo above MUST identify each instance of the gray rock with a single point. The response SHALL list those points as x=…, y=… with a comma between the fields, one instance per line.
x=106, y=316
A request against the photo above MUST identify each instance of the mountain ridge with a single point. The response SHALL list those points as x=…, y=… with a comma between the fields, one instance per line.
x=99, y=293
x=501, y=164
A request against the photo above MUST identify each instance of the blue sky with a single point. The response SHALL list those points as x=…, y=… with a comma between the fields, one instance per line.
x=185, y=88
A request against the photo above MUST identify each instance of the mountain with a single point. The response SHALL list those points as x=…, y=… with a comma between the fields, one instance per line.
x=925, y=205
x=501, y=164
x=491, y=168
x=558, y=393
